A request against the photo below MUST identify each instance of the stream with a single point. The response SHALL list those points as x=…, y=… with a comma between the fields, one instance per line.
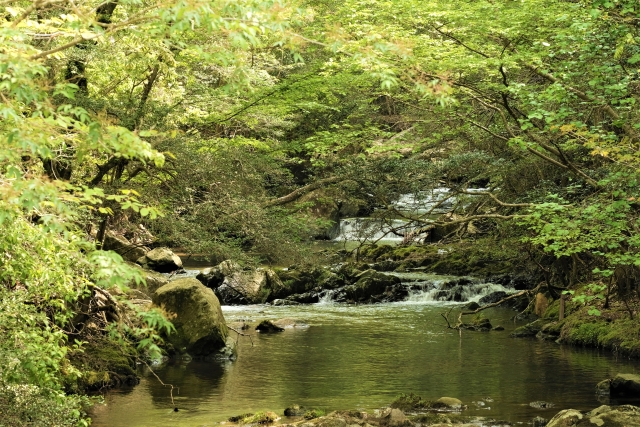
x=363, y=357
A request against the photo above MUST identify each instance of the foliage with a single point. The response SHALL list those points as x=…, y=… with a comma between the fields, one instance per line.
x=214, y=118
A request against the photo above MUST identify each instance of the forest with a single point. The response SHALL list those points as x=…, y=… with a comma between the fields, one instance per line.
x=242, y=133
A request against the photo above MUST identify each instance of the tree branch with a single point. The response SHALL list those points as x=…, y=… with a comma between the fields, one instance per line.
x=296, y=194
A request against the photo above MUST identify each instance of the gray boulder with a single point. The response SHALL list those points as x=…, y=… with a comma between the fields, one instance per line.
x=200, y=326
x=253, y=287
x=162, y=260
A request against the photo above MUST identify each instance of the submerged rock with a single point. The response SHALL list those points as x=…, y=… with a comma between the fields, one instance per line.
x=540, y=404
x=539, y=422
x=162, y=260
x=200, y=326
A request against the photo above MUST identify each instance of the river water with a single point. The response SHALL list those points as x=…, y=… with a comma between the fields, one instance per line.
x=363, y=357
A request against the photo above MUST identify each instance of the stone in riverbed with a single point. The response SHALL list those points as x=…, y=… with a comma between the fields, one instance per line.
x=449, y=403
x=603, y=388
x=266, y=326
x=603, y=416
x=627, y=385
x=396, y=418
x=200, y=326
x=294, y=411
x=162, y=260
x=493, y=297
x=540, y=404
x=566, y=418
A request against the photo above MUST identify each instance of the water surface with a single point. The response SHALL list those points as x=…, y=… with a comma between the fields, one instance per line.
x=363, y=357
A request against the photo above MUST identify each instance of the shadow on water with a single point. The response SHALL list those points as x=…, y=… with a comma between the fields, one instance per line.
x=194, y=381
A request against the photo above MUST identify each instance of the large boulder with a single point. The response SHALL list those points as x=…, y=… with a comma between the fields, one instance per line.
x=211, y=277
x=627, y=385
x=234, y=286
x=162, y=260
x=123, y=247
x=243, y=288
x=371, y=283
x=195, y=312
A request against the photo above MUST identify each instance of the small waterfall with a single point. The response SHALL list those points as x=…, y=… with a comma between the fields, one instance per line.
x=436, y=201
x=372, y=229
x=326, y=296
x=458, y=290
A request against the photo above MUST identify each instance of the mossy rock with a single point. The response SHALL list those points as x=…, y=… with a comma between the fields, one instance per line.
x=238, y=418
x=375, y=252
x=528, y=330
x=261, y=417
x=196, y=314
x=313, y=413
x=410, y=402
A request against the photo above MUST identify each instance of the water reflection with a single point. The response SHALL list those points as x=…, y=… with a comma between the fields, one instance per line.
x=363, y=357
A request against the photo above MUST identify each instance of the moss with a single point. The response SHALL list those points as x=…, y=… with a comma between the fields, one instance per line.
x=553, y=310
x=104, y=363
x=260, y=418
x=622, y=336
x=528, y=330
x=587, y=333
x=313, y=413
x=409, y=402
x=238, y=418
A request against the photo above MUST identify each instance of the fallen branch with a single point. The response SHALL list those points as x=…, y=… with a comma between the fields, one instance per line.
x=458, y=326
x=241, y=333
x=175, y=408
x=296, y=194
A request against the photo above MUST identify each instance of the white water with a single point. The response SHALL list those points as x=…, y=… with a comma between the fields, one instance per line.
x=436, y=201
x=372, y=230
